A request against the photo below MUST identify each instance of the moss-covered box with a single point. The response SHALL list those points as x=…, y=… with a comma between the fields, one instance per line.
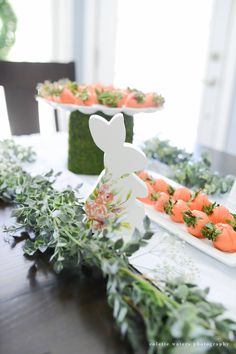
x=84, y=156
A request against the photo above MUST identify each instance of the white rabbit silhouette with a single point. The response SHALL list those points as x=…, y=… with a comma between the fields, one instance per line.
x=121, y=160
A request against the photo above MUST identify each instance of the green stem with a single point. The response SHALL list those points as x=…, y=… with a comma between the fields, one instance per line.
x=72, y=238
x=150, y=287
x=160, y=295
x=66, y=232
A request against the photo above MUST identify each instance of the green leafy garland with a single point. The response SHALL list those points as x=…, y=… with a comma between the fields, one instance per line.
x=55, y=223
x=8, y=23
x=186, y=170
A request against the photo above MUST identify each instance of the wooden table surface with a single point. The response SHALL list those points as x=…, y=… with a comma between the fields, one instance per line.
x=41, y=313
x=222, y=162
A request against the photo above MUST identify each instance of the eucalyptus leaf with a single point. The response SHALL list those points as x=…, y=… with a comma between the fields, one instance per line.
x=118, y=244
x=187, y=170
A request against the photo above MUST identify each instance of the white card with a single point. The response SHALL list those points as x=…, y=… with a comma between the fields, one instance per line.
x=118, y=187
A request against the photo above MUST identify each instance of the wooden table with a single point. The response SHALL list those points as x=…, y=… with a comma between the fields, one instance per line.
x=222, y=162
x=41, y=313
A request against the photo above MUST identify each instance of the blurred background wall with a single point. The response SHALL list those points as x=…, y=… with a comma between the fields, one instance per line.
x=183, y=49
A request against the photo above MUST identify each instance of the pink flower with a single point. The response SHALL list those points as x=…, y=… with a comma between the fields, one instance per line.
x=108, y=197
x=101, y=212
x=95, y=211
x=98, y=225
x=104, y=188
x=104, y=198
x=99, y=199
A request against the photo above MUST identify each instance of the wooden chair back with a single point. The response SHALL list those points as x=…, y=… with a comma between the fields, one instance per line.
x=19, y=81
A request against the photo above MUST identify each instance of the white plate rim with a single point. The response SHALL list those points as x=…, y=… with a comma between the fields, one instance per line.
x=95, y=108
x=203, y=245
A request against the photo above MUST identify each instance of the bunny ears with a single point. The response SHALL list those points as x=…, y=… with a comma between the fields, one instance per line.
x=119, y=157
x=106, y=134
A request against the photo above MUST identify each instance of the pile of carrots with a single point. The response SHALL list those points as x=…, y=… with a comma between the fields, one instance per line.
x=68, y=92
x=203, y=219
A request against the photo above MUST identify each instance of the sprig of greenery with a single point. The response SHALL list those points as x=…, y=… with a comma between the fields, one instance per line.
x=8, y=28
x=55, y=221
x=11, y=152
x=163, y=151
x=109, y=98
x=198, y=175
x=186, y=170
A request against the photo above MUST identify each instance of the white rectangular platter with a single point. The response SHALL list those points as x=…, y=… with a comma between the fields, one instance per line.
x=180, y=231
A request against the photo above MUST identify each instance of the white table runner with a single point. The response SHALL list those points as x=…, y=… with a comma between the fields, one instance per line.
x=163, y=251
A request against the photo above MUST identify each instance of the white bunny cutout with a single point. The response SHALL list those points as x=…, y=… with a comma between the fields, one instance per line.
x=118, y=187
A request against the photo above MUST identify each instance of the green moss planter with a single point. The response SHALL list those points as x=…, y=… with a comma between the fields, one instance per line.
x=84, y=156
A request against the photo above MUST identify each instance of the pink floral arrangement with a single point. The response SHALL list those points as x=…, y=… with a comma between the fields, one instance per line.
x=103, y=207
